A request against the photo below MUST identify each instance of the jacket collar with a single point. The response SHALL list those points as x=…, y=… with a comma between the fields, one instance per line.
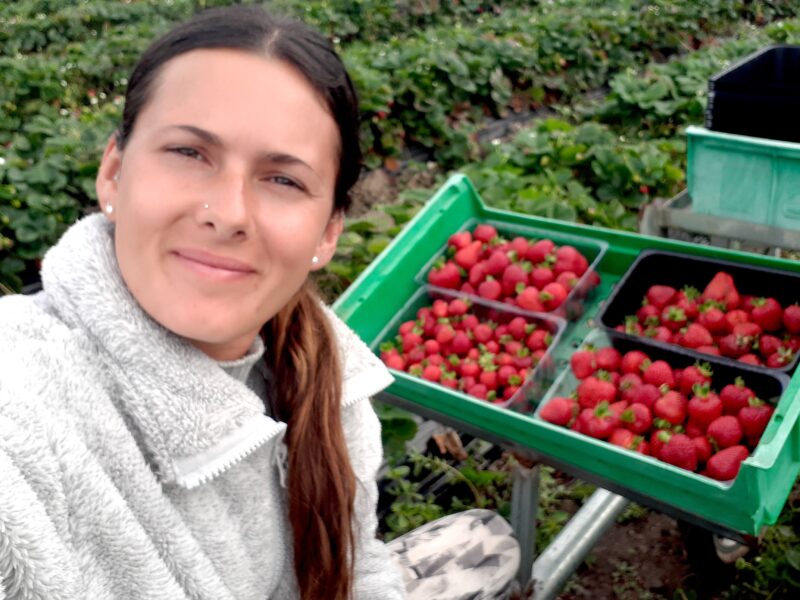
x=194, y=419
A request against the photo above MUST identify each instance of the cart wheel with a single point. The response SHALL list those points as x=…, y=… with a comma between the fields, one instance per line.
x=710, y=555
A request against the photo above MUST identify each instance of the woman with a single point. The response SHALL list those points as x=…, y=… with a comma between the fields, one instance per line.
x=180, y=417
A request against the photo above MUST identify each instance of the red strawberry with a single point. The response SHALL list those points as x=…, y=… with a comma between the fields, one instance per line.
x=541, y=276
x=724, y=431
x=482, y=333
x=519, y=246
x=449, y=380
x=460, y=240
x=696, y=373
x=593, y=391
x=608, y=359
x=468, y=257
x=695, y=429
x=660, y=295
x=695, y=336
x=478, y=390
x=658, y=438
x=725, y=464
x=767, y=313
x=528, y=299
x=649, y=314
x=461, y=344
x=659, y=333
x=671, y=406
x=598, y=422
x=625, y=438
x=432, y=373
x=735, y=396
x=559, y=411
x=686, y=299
x=754, y=418
x=507, y=374
x=680, y=451
x=791, y=318
x=673, y=318
x=780, y=359
x=722, y=289
x=768, y=344
x=484, y=232
x=713, y=319
x=490, y=289
x=583, y=363
x=749, y=329
x=446, y=276
x=637, y=417
x=702, y=448
x=632, y=362
x=705, y=406
x=395, y=361
x=750, y=359
x=630, y=326
x=431, y=347
x=509, y=391
x=458, y=307
x=627, y=385
x=569, y=259
x=736, y=317
x=708, y=350
x=553, y=295
x=539, y=251
x=734, y=346
x=568, y=279
x=518, y=328
x=514, y=275
x=659, y=373
x=477, y=274
x=646, y=394
x=539, y=339
x=496, y=263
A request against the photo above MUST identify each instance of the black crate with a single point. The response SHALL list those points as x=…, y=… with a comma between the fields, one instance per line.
x=758, y=96
x=653, y=267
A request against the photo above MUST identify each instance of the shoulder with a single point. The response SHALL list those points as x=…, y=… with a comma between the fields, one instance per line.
x=363, y=373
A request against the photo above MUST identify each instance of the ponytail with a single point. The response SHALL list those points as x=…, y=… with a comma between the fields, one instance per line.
x=303, y=356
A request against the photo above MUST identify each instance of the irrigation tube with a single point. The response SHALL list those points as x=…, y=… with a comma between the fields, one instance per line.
x=564, y=555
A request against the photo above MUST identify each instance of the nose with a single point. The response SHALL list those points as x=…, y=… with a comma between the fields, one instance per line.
x=225, y=208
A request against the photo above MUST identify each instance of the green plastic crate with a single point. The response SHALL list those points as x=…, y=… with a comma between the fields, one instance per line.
x=384, y=288
x=746, y=178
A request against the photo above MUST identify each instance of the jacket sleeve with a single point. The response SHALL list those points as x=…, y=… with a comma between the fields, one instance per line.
x=376, y=575
x=32, y=555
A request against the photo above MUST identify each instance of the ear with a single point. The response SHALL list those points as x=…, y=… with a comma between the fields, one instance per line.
x=327, y=246
x=107, y=184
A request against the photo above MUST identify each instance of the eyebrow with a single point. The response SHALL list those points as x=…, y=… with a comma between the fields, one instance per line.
x=215, y=140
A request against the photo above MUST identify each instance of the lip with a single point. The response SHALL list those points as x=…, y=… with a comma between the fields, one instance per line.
x=207, y=260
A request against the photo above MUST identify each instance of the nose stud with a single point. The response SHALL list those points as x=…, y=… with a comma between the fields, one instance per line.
x=315, y=260
x=205, y=206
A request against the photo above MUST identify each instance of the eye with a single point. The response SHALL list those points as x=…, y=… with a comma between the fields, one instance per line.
x=285, y=181
x=186, y=151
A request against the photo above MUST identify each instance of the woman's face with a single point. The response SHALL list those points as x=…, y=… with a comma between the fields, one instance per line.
x=223, y=195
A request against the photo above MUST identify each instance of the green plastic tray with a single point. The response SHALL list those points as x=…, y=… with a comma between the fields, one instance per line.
x=746, y=178
x=382, y=290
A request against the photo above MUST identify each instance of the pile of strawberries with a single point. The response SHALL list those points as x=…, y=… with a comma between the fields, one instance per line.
x=533, y=275
x=674, y=415
x=487, y=356
x=720, y=321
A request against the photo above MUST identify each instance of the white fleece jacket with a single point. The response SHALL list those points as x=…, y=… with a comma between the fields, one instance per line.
x=132, y=466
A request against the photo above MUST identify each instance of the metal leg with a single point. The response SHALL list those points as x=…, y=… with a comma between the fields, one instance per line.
x=565, y=554
x=524, y=506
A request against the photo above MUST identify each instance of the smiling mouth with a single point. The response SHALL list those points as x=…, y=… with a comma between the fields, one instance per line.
x=213, y=266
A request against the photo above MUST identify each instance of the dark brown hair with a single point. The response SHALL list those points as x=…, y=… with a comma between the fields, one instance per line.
x=302, y=351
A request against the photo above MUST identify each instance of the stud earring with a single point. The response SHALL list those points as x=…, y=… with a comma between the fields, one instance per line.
x=116, y=176
x=109, y=209
x=205, y=206
x=315, y=260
